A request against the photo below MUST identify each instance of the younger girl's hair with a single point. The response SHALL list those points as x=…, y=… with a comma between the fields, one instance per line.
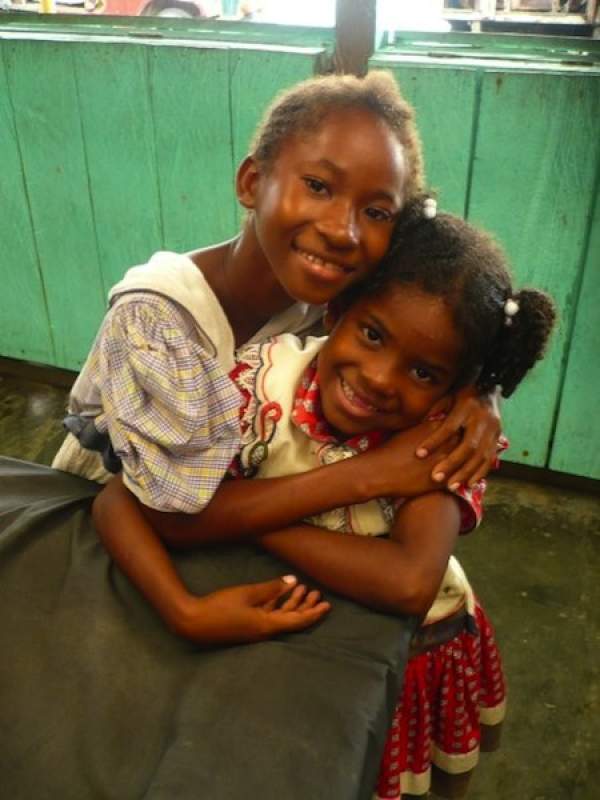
x=303, y=108
x=504, y=331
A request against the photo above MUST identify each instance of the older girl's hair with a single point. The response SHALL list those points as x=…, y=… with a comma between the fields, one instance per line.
x=504, y=331
x=303, y=108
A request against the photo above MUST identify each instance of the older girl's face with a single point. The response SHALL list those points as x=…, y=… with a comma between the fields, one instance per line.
x=324, y=210
x=388, y=361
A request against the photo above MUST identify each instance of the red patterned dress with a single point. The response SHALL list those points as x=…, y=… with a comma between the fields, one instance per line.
x=454, y=685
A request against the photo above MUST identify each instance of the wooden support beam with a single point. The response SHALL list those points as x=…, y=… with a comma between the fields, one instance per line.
x=355, y=35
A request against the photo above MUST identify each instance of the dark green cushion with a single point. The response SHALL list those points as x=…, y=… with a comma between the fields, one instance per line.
x=99, y=700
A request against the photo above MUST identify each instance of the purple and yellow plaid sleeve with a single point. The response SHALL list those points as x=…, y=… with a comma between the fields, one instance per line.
x=171, y=411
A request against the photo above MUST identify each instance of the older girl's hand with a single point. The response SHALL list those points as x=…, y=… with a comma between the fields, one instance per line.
x=476, y=418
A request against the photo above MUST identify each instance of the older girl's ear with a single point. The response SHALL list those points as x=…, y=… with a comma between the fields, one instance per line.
x=246, y=182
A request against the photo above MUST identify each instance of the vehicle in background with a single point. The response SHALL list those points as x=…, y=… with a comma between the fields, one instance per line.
x=200, y=9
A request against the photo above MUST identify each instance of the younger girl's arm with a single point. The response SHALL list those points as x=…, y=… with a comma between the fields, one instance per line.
x=401, y=574
x=238, y=614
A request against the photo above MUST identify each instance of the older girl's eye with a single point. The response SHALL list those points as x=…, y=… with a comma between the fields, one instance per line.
x=371, y=334
x=379, y=214
x=315, y=185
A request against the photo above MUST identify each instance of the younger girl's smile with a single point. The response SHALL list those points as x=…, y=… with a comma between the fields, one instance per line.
x=387, y=362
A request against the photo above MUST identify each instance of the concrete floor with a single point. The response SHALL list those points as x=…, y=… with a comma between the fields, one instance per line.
x=535, y=563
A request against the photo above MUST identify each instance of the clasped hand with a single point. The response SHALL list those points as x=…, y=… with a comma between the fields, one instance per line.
x=458, y=449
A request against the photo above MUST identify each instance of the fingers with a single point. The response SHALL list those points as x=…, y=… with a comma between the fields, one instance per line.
x=468, y=475
x=451, y=427
x=269, y=592
x=282, y=621
x=468, y=463
x=293, y=600
x=301, y=599
x=300, y=610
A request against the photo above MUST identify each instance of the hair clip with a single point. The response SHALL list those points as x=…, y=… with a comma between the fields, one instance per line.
x=511, y=308
x=429, y=208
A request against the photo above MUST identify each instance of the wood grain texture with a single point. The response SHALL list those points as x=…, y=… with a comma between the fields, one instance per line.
x=118, y=131
x=577, y=437
x=192, y=119
x=445, y=102
x=24, y=325
x=256, y=78
x=533, y=181
x=48, y=123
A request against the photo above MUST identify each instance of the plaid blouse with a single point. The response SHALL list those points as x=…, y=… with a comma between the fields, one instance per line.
x=156, y=386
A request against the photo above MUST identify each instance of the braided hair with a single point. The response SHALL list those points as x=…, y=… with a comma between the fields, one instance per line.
x=504, y=331
x=304, y=107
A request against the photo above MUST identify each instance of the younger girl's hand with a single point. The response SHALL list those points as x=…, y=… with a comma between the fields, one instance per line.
x=251, y=613
x=477, y=418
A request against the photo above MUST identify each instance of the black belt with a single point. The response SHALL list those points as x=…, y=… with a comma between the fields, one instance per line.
x=430, y=636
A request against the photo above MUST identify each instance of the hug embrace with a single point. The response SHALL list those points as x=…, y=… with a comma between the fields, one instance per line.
x=214, y=414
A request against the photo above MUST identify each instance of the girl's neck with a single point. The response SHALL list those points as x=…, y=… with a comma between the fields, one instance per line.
x=243, y=282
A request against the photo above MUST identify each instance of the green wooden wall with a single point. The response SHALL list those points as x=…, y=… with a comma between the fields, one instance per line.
x=517, y=150
x=113, y=146
x=111, y=149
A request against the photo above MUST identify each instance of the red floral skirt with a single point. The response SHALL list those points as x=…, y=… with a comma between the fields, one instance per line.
x=449, y=693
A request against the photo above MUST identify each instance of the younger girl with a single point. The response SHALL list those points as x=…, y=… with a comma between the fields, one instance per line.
x=440, y=312
x=154, y=397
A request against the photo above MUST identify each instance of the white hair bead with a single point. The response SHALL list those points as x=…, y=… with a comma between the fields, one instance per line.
x=511, y=308
x=429, y=208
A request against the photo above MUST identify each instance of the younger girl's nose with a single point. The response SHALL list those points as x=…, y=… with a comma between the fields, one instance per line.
x=380, y=380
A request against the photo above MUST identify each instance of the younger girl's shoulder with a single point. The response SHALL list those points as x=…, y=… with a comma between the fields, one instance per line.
x=280, y=359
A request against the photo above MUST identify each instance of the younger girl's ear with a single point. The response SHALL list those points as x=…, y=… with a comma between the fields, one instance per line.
x=246, y=182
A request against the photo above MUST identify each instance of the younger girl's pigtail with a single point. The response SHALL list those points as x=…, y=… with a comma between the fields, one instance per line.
x=529, y=317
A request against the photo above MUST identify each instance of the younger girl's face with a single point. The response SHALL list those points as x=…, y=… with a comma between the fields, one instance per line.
x=325, y=208
x=387, y=362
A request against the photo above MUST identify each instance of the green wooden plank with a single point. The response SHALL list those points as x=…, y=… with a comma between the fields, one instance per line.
x=576, y=447
x=532, y=185
x=190, y=104
x=24, y=326
x=171, y=28
x=44, y=95
x=510, y=46
x=445, y=101
x=256, y=79
x=119, y=140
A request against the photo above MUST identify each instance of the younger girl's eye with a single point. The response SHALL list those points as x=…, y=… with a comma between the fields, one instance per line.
x=379, y=214
x=371, y=334
x=315, y=185
x=423, y=375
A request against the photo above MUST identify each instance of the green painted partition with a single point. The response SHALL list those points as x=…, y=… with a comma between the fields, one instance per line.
x=121, y=137
x=515, y=147
x=576, y=447
x=114, y=146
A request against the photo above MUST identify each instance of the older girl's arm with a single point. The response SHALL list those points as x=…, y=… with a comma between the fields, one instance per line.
x=400, y=575
x=246, y=508
x=476, y=417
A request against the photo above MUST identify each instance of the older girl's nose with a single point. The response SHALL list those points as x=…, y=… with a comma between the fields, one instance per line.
x=340, y=227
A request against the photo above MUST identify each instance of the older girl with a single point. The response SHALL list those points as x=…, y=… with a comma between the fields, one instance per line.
x=154, y=398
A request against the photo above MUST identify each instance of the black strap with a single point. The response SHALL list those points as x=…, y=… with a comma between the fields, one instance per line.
x=90, y=438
